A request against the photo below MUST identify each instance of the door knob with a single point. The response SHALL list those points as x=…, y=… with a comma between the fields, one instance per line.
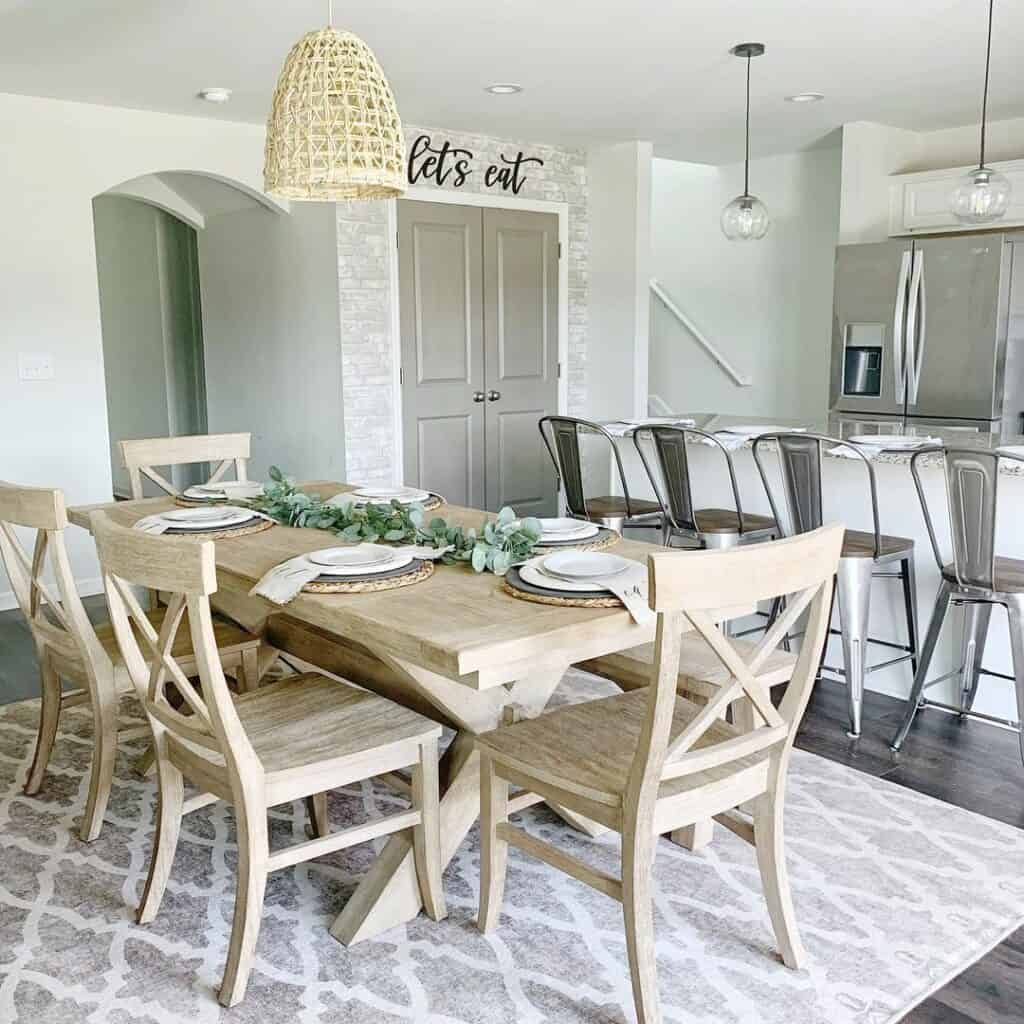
x=478, y=396
x=493, y=396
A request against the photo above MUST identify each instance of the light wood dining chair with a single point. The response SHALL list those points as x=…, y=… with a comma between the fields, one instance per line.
x=292, y=739
x=69, y=647
x=141, y=457
x=649, y=761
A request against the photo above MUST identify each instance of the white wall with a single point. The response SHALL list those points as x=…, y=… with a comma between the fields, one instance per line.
x=767, y=304
x=54, y=158
x=619, y=191
x=873, y=152
x=273, y=338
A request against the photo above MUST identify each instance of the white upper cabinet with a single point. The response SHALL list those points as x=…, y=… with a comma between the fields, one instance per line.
x=919, y=203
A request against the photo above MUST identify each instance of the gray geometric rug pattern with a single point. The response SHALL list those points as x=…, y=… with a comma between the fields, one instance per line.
x=895, y=893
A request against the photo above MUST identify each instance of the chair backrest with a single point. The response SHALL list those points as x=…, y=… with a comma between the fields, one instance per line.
x=142, y=456
x=691, y=586
x=185, y=570
x=799, y=456
x=561, y=436
x=671, y=478
x=54, y=610
x=972, y=497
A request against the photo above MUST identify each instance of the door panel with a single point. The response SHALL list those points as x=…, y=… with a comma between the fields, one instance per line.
x=958, y=339
x=866, y=285
x=440, y=298
x=521, y=356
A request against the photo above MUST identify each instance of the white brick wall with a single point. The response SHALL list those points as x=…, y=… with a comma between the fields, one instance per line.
x=367, y=341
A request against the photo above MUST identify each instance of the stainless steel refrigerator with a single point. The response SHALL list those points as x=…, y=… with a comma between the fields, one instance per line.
x=929, y=330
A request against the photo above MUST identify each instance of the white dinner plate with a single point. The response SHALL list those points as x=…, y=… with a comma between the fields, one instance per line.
x=359, y=556
x=584, y=565
x=206, y=518
x=397, y=561
x=531, y=572
x=761, y=428
x=403, y=494
x=566, y=529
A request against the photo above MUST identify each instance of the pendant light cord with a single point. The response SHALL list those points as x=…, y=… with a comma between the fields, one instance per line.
x=984, y=95
x=330, y=13
x=746, y=156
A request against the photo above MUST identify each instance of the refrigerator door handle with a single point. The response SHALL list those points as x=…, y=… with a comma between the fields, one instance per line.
x=899, y=329
x=915, y=328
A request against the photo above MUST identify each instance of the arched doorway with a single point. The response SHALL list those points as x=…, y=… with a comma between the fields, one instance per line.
x=147, y=234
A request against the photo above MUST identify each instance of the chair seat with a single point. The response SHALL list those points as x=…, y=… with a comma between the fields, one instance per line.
x=861, y=544
x=609, y=506
x=1009, y=578
x=588, y=749
x=701, y=671
x=231, y=639
x=726, y=520
x=311, y=719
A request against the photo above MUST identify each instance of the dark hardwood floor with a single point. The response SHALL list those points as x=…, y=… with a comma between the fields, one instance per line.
x=970, y=764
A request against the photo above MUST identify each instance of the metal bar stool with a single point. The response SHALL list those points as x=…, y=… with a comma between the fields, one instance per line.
x=865, y=556
x=611, y=510
x=976, y=578
x=708, y=527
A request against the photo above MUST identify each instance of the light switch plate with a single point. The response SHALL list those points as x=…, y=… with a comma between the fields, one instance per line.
x=35, y=366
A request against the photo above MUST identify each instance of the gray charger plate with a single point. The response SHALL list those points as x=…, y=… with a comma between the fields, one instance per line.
x=251, y=521
x=513, y=578
x=602, y=535
x=403, y=570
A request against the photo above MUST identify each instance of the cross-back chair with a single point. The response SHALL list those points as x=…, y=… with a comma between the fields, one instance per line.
x=221, y=451
x=69, y=647
x=649, y=762
x=293, y=739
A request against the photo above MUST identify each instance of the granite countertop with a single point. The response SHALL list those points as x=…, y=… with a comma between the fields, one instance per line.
x=848, y=426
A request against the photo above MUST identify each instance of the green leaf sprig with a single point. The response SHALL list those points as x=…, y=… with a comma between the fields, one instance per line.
x=499, y=543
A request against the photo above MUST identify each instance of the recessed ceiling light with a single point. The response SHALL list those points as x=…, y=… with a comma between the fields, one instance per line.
x=806, y=97
x=503, y=88
x=215, y=95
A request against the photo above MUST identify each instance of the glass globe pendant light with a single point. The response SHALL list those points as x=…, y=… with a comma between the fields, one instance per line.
x=982, y=195
x=746, y=219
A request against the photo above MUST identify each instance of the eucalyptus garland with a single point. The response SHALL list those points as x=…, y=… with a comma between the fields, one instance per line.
x=497, y=545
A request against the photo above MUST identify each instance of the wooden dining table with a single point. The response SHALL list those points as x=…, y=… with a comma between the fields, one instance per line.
x=455, y=645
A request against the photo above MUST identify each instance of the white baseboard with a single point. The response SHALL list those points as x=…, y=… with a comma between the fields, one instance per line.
x=87, y=588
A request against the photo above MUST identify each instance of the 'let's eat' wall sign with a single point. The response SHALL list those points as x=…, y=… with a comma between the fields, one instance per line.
x=453, y=166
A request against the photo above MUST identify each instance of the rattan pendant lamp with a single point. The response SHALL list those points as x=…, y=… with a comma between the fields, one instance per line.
x=334, y=132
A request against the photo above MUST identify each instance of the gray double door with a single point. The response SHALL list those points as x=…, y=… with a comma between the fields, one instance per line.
x=478, y=295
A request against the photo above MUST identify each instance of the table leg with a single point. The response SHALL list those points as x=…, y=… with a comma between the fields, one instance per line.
x=389, y=894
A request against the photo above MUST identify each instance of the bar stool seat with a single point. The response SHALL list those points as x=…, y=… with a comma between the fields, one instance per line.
x=861, y=544
x=611, y=506
x=727, y=520
x=1009, y=575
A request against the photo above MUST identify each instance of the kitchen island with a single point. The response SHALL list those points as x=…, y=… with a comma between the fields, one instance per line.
x=846, y=498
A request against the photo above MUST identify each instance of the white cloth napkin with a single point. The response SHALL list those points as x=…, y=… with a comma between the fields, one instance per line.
x=732, y=442
x=157, y=524
x=872, y=451
x=284, y=582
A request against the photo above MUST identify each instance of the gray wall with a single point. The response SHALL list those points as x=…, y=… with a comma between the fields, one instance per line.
x=152, y=339
x=273, y=350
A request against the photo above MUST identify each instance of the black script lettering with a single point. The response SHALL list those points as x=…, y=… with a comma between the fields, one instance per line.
x=510, y=176
x=438, y=164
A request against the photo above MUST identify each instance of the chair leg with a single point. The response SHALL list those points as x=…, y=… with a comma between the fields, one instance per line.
x=1015, y=612
x=854, y=594
x=493, y=851
x=249, y=670
x=170, y=797
x=942, y=600
x=908, y=577
x=426, y=836
x=694, y=837
x=638, y=913
x=316, y=810
x=771, y=860
x=49, y=717
x=253, y=852
x=104, y=754
x=976, y=619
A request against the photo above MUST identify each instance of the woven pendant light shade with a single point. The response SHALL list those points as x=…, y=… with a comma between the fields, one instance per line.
x=334, y=131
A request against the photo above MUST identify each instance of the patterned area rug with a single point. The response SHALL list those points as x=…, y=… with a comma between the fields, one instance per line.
x=895, y=892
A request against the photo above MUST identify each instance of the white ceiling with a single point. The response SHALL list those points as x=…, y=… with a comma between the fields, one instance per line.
x=595, y=71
